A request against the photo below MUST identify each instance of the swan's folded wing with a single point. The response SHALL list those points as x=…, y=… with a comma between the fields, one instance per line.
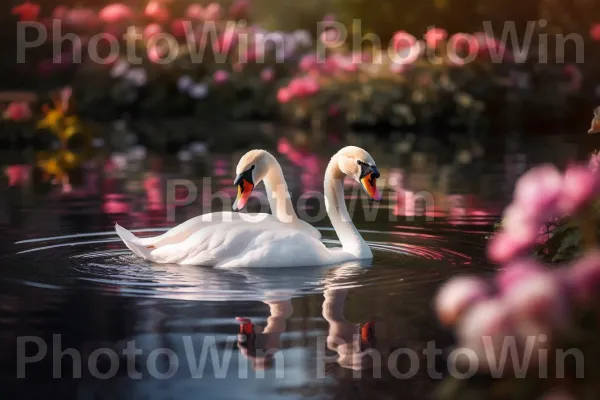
x=184, y=230
x=311, y=230
x=243, y=244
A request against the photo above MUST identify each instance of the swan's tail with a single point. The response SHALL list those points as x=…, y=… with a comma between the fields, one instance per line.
x=134, y=243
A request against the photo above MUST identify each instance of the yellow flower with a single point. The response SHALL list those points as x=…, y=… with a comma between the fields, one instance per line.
x=51, y=120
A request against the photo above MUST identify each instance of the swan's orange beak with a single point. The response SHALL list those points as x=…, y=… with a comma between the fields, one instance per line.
x=369, y=183
x=245, y=186
x=244, y=191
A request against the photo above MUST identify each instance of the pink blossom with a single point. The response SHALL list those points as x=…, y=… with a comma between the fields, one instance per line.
x=503, y=247
x=252, y=54
x=195, y=12
x=515, y=273
x=580, y=187
x=584, y=277
x=541, y=194
x=304, y=86
x=490, y=319
x=284, y=95
x=283, y=146
x=489, y=46
x=537, y=301
x=212, y=12
x=18, y=111
x=267, y=74
x=18, y=175
x=595, y=32
x=82, y=19
x=115, y=13
x=520, y=230
x=179, y=28
x=308, y=62
x=296, y=87
x=239, y=9
x=330, y=37
x=457, y=295
x=27, y=11
x=60, y=12
x=338, y=61
x=221, y=76
x=435, y=36
x=463, y=42
x=311, y=86
x=157, y=12
x=155, y=54
x=151, y=30
x=403, y=40
x=225, y=42
x=539, y=188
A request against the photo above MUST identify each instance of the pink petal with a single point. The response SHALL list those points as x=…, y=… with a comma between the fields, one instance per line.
x=539, y=188
x=580, y=187
x=456, y=296
x=584, y=277
x=517, y=272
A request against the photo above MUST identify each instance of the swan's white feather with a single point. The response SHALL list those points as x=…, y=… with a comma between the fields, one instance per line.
x=184, y=230
x=238, y=244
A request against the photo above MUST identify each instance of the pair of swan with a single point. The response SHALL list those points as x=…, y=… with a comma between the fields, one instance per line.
x=233, y=240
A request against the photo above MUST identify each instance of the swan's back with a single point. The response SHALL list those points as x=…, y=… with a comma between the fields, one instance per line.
x=233, y=245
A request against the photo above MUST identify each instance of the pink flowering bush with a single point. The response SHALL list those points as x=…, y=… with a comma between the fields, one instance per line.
x=517, y=324
x=541, y=196
x=278, y=75
x=17, y=112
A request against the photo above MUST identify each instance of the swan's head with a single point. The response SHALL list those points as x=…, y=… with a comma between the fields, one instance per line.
x=251, y=170
x=357, y=163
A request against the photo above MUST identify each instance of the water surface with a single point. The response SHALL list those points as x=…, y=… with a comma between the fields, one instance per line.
x=67, y=282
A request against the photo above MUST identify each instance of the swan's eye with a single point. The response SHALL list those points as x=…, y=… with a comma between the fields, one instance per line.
x=360, y=163
x=252, y=167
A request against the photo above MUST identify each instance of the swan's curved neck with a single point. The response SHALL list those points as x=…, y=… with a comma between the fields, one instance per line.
x=349, y=236
x=278, y=194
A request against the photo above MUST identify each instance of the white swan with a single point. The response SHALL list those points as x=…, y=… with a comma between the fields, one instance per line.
x=270, y=243
x=254, y=167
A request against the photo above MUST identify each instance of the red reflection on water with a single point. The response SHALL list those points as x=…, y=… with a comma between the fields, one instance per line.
x=308, y=162
x=18, y=175
x=115, y=204
x=154, y=195
x=221, y=167
x=463, y=210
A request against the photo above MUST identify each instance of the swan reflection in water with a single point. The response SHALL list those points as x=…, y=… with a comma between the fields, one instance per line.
x=259, y=344
x=352, y=342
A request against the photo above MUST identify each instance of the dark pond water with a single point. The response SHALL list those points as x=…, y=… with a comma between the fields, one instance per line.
x=73, y=298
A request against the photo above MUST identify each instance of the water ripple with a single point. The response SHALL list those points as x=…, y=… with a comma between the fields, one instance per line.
x=98, y=261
